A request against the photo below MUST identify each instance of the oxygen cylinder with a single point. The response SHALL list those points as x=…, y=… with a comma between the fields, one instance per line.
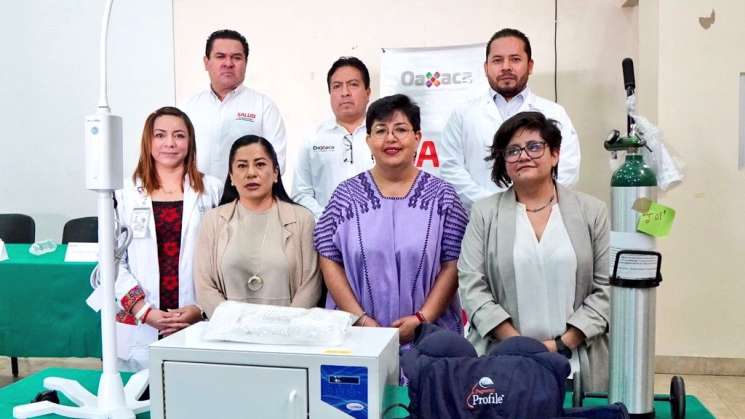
x=632, y=323
x=632, y=319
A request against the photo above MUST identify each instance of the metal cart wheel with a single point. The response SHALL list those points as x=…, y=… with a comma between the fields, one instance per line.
x=678, y=397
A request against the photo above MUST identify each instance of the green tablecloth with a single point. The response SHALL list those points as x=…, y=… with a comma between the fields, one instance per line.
x=42, y=306
x=24, y=390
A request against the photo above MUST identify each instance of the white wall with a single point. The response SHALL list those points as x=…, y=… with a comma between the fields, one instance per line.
x=687, y=81
x=700, y=303
x=292, y=45
x=50, y=82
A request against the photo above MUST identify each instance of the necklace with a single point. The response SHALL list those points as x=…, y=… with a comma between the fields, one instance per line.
x=543, y=207
x=256, y=282
x=170, y=191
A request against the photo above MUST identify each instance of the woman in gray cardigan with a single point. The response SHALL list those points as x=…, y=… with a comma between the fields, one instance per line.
x=534, y=259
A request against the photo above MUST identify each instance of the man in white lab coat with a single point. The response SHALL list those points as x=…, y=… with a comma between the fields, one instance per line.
x=229, y=110
x=337, y=150
x=471, y=127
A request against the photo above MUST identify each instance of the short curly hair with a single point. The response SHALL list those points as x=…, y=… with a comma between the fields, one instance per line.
x=548, y=129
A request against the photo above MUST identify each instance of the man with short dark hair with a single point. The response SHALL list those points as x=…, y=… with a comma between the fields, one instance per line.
x=337, y=149
x=228, y=109
x=470, y=130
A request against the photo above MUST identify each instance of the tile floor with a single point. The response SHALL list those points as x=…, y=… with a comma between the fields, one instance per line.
x=724, y=396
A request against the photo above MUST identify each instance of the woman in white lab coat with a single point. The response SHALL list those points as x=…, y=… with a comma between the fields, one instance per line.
x=163, y=206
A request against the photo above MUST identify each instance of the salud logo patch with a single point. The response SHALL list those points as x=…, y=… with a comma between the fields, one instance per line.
x=483, y=393
x=245, y=116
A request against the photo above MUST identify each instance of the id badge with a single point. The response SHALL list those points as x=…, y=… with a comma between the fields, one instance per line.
x=95, y=300
x=139, y=222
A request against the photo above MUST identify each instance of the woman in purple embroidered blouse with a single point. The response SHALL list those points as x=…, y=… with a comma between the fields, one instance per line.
x=389, y=239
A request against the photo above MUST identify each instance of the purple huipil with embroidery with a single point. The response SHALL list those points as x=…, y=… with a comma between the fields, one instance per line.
x=392, y=248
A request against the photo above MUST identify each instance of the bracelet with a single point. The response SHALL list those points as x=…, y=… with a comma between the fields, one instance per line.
x=562, y=348
x=420, y=317
x=141, y=312
x=362, y=318
x=144, y=318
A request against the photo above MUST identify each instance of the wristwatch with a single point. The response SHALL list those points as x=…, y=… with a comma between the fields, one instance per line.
x=562, y=348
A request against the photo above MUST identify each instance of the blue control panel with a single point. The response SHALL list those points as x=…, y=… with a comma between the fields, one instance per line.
x=345, y=388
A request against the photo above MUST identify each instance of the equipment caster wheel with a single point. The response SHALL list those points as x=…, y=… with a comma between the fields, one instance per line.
x=678, y=397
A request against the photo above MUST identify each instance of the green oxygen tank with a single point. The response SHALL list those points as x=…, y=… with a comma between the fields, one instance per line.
x=633, y=173
x=634, y=282
x=633, y=319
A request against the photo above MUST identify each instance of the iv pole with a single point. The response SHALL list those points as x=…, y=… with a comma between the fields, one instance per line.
x=103, y=149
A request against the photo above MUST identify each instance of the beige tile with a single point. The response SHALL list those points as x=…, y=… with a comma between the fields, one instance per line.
x=719, y=408
x=681, y=365
x=699, y=365
x=738, y=408
x=27, y=366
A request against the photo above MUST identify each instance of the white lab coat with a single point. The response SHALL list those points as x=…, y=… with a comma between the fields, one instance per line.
x=469, y=133
x=140, y=264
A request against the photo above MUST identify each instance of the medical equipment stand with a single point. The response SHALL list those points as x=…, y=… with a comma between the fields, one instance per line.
x=103, y=148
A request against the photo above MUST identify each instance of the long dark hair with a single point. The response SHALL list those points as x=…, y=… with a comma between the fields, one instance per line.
x=230, y=193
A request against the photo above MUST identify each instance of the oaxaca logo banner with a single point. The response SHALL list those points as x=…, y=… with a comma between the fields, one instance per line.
x=438, y=79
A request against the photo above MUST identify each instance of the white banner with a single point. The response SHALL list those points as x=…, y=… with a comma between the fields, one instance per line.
x=438, y=79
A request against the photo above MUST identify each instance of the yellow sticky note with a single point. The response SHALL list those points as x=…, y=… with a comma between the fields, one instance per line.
x=657, y=221
x=337, y=351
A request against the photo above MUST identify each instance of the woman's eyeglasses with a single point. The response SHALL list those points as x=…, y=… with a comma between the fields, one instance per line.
x=400, y=132
x=534, y=150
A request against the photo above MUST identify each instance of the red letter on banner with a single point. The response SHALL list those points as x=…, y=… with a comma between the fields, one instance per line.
x=428, y=152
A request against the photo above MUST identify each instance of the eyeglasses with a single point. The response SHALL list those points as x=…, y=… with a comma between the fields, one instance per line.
x=534, y=150
x=380, y=132
x=348, y=148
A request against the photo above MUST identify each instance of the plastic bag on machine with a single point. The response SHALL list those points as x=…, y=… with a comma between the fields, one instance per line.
x=257, y=323
x=669, y=169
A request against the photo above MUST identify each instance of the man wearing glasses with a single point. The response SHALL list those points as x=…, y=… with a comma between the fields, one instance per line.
x=337, y=150
x=470, y=129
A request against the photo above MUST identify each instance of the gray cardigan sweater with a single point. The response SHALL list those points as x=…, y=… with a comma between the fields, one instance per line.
x=487, y=277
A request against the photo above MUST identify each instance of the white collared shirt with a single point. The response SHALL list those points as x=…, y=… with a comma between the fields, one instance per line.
x=217, y=124
x=508, y=108
x=327, y=159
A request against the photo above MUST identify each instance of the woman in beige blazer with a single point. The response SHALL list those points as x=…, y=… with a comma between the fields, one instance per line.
x=256, y=247
x=534, y=259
